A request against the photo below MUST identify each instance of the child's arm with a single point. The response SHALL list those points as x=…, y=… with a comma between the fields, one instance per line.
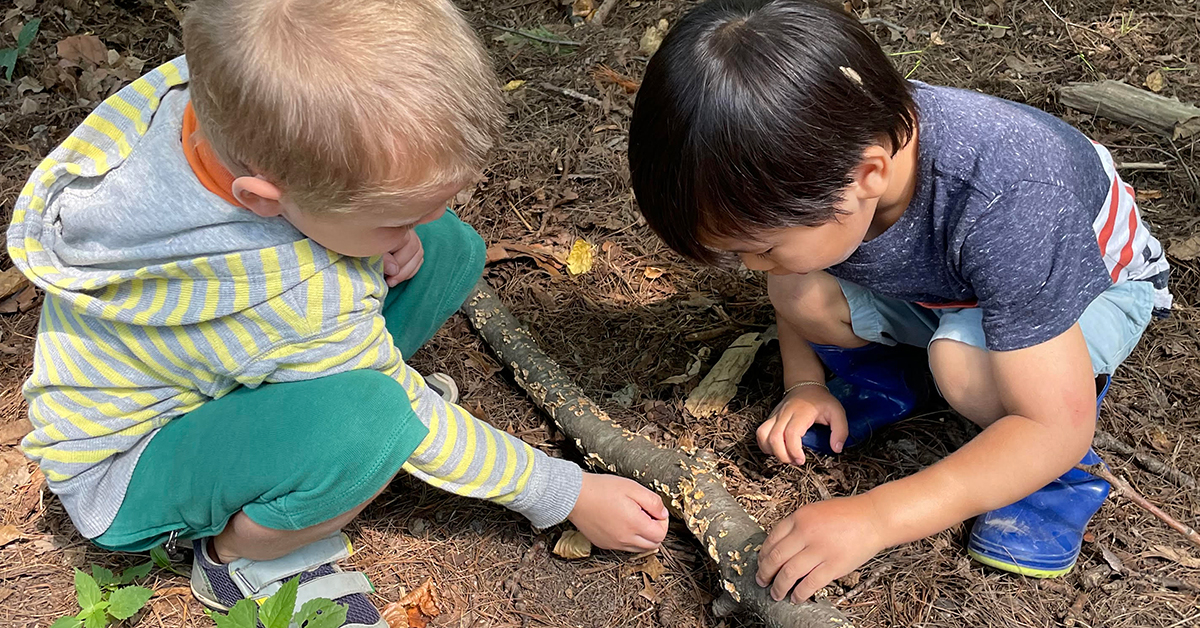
x=469, y=457
x=1049, y=391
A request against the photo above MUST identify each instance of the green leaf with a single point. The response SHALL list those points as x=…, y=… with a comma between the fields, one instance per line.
x=320, y=613
x=87, y=592
x=276, y=612
x=126, y=601
x=244, y=614
x=104, y=577
x=67, y=622
x=97, y=618
x=28, y=32
x=160, y=558
x=8, y=61
x=135, y=573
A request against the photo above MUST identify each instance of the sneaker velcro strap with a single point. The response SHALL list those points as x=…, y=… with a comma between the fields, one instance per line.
x=255, y=578
x=333, y=586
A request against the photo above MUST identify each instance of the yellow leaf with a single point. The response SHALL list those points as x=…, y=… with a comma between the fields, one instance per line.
x=573, y=544
x=1155, y=81
x=511, y=85
x=580, y=259
x=653, y=272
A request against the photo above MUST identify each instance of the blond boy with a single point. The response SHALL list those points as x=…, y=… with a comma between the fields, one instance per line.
x=238, y=250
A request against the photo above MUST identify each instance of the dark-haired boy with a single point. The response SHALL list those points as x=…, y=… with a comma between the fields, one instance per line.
x=894, y=213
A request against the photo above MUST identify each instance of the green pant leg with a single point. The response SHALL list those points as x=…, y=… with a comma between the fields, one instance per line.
x=417, y=308
x=291, y=455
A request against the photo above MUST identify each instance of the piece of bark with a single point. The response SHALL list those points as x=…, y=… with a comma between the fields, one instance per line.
x=1104, y=440
x=690, y=485
x=720, y=385
x=1130, y=105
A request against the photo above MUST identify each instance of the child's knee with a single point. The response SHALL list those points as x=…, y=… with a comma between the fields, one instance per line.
x=814, y=304
x=965, y=380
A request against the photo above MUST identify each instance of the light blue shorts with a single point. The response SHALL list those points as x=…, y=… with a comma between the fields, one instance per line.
x=1111, y=325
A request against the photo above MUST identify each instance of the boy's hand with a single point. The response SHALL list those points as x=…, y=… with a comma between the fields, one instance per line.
x=780, y=434
x=819, y=543
x=618, y=513
x=402, y=264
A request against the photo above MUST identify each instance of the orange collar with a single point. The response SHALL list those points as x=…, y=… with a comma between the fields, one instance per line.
x=204, y=161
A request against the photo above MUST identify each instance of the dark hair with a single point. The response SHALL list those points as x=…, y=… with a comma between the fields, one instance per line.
x=752, y=116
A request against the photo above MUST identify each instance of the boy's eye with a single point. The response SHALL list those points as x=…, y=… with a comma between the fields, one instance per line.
x=765, y=254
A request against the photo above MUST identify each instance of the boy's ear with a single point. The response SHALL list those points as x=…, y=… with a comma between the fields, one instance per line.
x=873, y=175
x=258, y=195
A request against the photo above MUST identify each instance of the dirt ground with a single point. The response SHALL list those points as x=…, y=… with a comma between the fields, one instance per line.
x=620, y=329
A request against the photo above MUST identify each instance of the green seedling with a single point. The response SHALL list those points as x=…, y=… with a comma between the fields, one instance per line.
x=105, y=597
x=8, y=56
x=163, y=561
x=279, y=611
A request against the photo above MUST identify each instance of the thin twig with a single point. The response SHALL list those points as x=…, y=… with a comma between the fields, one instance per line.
x=602, y=12
x=591, y=100
x=1123, y=487
x=1141, y=165
x=863, y=586
x=867, y=21
x=544, y=40
x=1104, y=440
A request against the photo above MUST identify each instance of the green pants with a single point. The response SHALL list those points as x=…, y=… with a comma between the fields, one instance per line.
x=297, y=454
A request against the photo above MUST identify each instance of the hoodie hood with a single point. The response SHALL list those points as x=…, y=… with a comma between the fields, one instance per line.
x=128, y=236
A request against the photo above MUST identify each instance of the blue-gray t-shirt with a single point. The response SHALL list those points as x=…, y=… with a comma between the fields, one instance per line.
x=1011, y=211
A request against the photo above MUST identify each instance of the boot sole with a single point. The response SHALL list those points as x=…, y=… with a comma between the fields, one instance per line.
x=1019, y=569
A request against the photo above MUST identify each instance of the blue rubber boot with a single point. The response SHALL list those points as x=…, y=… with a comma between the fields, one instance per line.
x=877, y=385
x=1040, y=536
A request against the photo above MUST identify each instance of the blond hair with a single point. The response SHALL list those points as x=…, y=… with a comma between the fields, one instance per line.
x=345, y=104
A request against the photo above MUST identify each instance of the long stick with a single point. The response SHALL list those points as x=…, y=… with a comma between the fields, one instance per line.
x=689, y=483
x=1128, y=491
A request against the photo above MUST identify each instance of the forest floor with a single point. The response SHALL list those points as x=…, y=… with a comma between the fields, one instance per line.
x=620, y=329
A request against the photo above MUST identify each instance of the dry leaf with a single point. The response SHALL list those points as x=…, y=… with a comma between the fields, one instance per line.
x=1155, y=81
x=511, y=85
x=1112, y=559
x=11, y=281
x=1188, y=249
x=415, y=609
x=8, y=534
x=648, y=591
x=653, y=568
x=1149, y=195
x=579, y=261
x=936, y=39
x=83, y=48
x=572, y=545
x=14, y=470
x=49, y=543
x=653, y=37
x=605, y=74
x=12, y=433
x=1174, y=555
x=5, y=594
x=1159, y=440
x=395, y=616
x=692, y=371
x=583, y=8
x=653, y=272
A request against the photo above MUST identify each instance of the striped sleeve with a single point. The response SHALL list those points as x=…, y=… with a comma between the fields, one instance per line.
x=460, y=454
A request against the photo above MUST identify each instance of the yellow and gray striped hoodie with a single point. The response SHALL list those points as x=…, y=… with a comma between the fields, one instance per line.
x=160, y=296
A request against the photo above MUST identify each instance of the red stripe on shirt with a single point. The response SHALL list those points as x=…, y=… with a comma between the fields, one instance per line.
x=1127, y=251
x=1111, y=221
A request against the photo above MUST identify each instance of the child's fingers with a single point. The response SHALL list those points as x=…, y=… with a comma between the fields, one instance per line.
x=839, y=430
x=816, y=579
x=390, y=265
x=648, y=501
x=793, y=436
x=763, y=434
x=778, y=439
x=781, y=545
x=796, y=568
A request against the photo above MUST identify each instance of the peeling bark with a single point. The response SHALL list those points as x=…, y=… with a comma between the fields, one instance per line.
x=689, y=483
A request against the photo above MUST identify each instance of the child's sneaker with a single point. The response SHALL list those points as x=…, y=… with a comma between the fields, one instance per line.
x=443, y=385
x=877, y=385
x=1040, y=536
x=220, y=586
